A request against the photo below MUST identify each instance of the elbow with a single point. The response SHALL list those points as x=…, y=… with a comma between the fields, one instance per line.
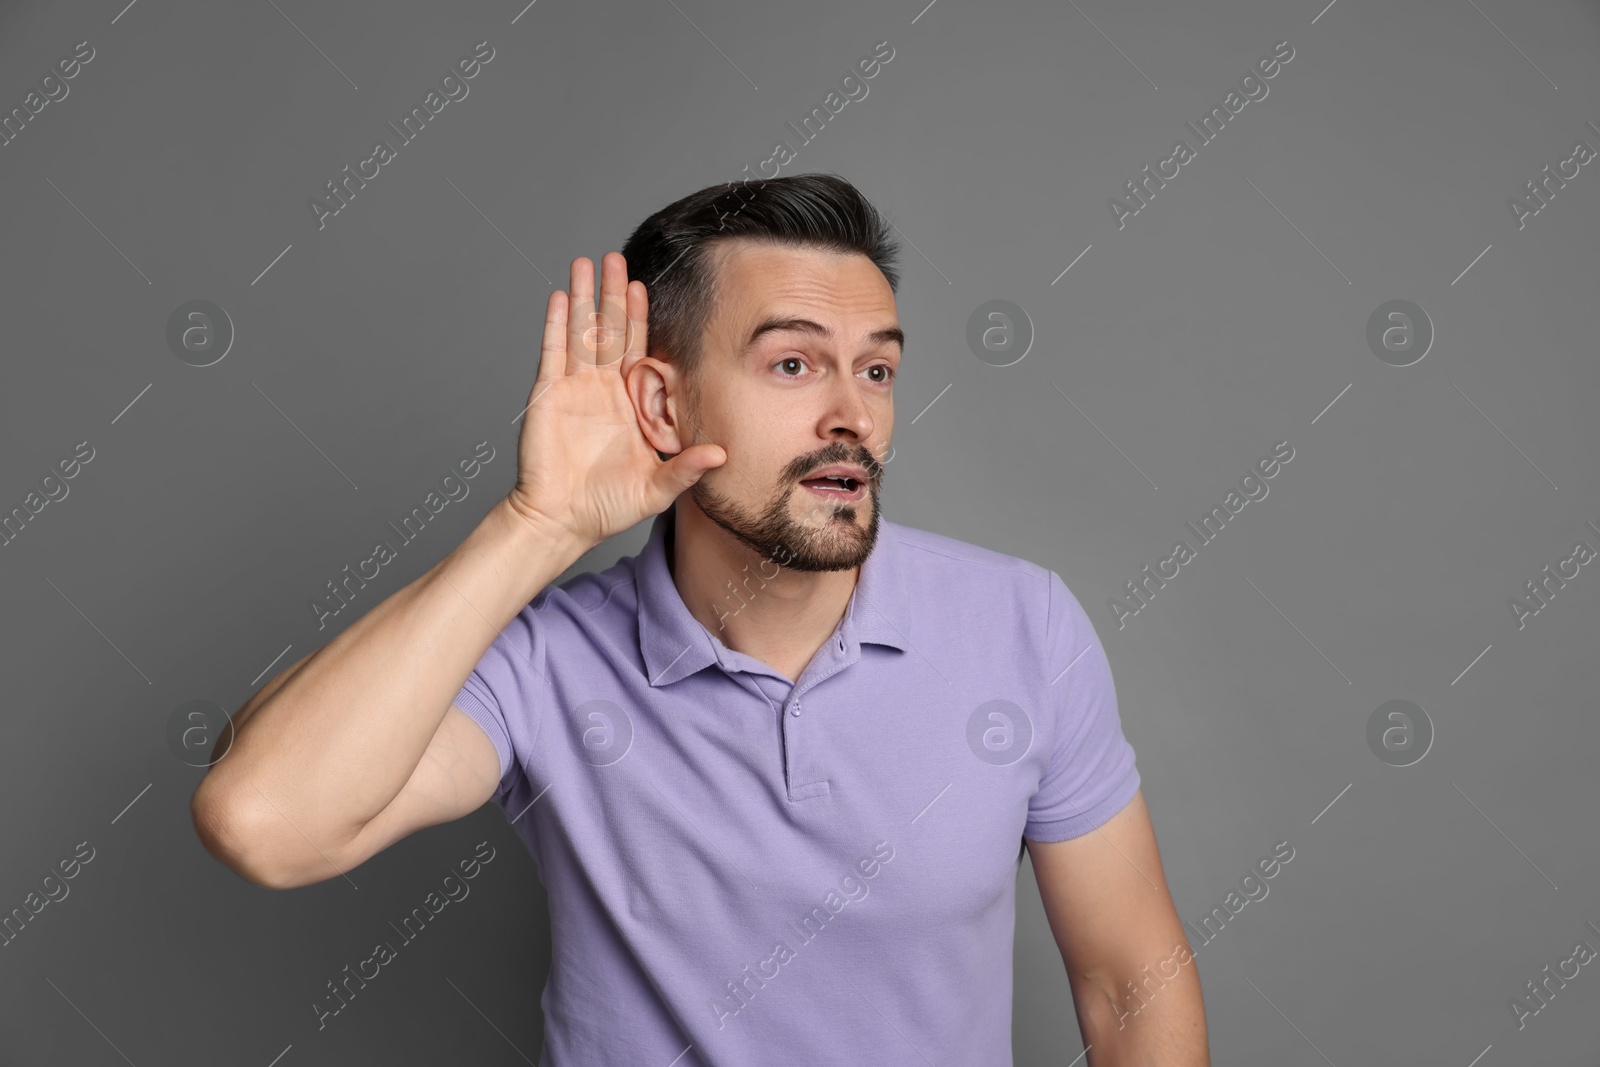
x=225, y=834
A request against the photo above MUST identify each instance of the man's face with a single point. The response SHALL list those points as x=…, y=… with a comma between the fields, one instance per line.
x=796, y=373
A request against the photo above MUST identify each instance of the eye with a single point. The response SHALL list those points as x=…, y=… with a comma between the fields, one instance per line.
x=888, y=373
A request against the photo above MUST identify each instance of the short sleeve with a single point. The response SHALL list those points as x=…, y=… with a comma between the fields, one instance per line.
x=1091, y=774
x=506, y=692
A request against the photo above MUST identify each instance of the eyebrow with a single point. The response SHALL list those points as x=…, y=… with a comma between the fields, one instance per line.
x=797, y=325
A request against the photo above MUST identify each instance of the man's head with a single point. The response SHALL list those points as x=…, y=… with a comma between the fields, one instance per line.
x=773, y=333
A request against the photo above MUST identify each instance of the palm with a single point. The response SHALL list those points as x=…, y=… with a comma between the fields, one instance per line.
x=583, y=460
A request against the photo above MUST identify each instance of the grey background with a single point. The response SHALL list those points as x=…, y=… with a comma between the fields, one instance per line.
x=1228, y=315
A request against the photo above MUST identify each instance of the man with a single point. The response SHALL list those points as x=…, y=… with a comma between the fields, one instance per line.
x=777, y=769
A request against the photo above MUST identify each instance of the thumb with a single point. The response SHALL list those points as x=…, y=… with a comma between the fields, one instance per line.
x=687, y=467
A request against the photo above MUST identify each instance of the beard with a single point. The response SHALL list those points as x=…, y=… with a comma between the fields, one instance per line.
x=835, y=542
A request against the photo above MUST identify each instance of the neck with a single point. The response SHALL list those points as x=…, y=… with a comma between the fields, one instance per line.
x=748, y=602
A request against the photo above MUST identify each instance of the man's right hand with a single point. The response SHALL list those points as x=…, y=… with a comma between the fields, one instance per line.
x=584, y=468
x=360, y=743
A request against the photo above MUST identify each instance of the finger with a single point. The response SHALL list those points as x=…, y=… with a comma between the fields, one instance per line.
x=580, y=318
x=553, y=349
x=684, y=469
x=638, y=326
x=612, y=324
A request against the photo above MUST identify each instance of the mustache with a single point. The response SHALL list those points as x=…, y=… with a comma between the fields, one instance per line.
x=864, y=458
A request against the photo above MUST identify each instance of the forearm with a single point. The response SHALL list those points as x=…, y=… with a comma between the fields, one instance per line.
x=330, y=742
x=1149, y=1021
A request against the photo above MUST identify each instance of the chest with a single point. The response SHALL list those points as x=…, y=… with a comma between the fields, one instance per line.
x=758, y=800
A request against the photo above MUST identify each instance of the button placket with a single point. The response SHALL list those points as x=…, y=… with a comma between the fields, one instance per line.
x=801, y=763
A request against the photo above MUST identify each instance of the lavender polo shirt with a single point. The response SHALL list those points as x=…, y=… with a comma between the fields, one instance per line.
x=743, y=869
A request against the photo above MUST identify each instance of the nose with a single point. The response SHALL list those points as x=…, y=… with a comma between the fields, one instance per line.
x=848, y=413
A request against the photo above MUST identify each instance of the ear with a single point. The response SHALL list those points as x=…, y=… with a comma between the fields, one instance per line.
x=653, y=387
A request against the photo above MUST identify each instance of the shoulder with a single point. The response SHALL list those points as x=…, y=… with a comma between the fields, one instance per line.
x=592, y=600
x=939, y=568
x=571, y=616
x=928, y=555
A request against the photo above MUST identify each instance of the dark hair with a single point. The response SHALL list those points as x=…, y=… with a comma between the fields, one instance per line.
x=671, y=250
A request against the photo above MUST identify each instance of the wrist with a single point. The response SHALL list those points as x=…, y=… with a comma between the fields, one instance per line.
x=538, y=535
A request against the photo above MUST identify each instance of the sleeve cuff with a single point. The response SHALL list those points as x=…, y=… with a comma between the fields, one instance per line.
x=1084, y=822
x=478, y=710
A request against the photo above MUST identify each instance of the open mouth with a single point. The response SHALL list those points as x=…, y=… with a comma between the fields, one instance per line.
x=841, y=490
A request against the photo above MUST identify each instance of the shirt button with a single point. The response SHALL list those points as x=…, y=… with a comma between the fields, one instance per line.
x=795, y=710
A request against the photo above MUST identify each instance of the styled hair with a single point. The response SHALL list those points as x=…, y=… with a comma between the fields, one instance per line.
x=671, y=251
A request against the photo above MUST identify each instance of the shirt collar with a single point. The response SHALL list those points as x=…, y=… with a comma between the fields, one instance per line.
x=675, y=644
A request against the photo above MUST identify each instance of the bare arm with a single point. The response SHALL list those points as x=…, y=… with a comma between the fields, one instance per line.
x=328, y=744
x=1133, y=977
x=357, y=744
